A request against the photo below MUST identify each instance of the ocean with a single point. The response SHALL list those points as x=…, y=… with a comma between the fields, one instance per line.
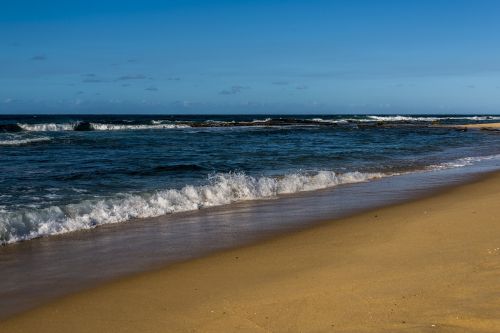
x=64, y=173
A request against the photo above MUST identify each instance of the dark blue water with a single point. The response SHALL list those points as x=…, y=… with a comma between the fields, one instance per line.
x=65, y=173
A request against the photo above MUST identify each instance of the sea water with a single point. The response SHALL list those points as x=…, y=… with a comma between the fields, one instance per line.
x=63, y=173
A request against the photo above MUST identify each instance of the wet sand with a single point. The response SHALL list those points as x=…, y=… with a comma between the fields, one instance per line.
x=430, y=265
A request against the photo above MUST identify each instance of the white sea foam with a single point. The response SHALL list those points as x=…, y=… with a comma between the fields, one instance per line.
x=402, y=118
x=52, y=127
x=429, y=118
x=120, y=127
x=461, y=162
x=331, y=121
x=261, y=120
x=399, y=118
x=479, y=118
x=49, y=127
x=157, y=122
x=25, y=141
x=221, y=189
x=374, y=118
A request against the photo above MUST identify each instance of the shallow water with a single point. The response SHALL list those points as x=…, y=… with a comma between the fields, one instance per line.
x=66, y=173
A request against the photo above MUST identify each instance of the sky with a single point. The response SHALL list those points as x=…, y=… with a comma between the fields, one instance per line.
x=350, y=56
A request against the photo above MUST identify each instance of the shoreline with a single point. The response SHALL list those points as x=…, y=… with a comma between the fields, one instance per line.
x=411, y=265
x=72, y=263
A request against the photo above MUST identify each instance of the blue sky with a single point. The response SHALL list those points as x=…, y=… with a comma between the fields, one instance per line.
x=250, y=56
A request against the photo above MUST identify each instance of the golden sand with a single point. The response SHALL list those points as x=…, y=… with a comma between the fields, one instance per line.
x=484, y=126
x=431, y=265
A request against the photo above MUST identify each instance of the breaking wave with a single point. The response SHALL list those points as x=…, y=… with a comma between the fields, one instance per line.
x=50, y=127
x=169, y=124
x=261, y=120
x=19, y=142
x=119, y=127
x=332, y=121
x=401, y=118
x=53, y=127
x=221, y=189
x=398, y=118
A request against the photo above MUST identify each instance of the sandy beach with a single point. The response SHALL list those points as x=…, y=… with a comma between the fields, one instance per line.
x=484, y=126
x=431, y=265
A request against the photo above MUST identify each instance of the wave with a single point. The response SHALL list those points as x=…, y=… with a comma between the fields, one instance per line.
x=49, y=127
x=477, y=118
x=119, y=127
x=375, y=118
x=461, y=162
x=19, y=142
x=401, y=118
x=168, y=124
x=84, y=126
x=221, y=189
x=398, y=118
x=332, y=121
x=261, y=120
